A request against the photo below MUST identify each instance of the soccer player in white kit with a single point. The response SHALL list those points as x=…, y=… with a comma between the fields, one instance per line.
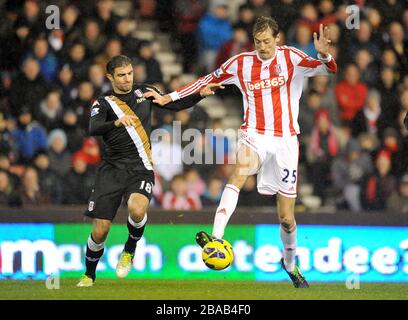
x=270, y=79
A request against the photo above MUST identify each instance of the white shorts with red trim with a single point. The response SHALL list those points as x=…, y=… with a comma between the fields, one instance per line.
x=279, y=162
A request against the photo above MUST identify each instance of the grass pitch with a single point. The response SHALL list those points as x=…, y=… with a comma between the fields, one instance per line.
x=198, y=290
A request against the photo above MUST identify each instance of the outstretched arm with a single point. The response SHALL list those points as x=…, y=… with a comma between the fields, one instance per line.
x=184, y=103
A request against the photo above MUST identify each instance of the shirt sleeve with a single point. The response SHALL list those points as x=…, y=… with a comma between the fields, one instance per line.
x=98, y=125
x=311, y=67
x=225, y=74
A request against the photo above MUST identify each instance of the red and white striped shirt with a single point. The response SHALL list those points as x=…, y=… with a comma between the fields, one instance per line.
x=270, y=89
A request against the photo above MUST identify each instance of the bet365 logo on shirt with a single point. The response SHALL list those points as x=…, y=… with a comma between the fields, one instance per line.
x=267, y=83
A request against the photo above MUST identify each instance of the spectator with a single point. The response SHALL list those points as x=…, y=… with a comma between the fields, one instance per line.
x=75, y=133
x=153, y=71
x=130, y=44
x=5, y=165
x=391, y=142
x=307, y=116
x=7, y=144
x=33, y=17
x=348, y=173
x=351, y=94
x=50, y=111
x=260, y=8
x=47, y=60
x=194, y=181
x=213, y=192
x=179, y=197
x=389, y=60
x=284, y=12
x=49, y=180
x=363, y=40
x=83, y=103
x=92, y=38
x=90, y=151
x=113, y=48
x=323, y=149
x=59, y=155
x=389, y=97
x=398, y=201
x=98, y=79
x=77, y=61
x=66, y=84
x=106, y=17
x=70, y=24
x=239, y=43
x=31, y=193
x=8, y=195
x=399, y=45
x=15, y=46
x=29, y=136
x=30, y=80
x=368, y=68
x=167, y=156
x=214, y=30
x=246, y=19
x=78, y=182
x=219, y=143
x=250, y=197
x=188, y=14
x=303, y=40
x=369, y=118
x=377, y=188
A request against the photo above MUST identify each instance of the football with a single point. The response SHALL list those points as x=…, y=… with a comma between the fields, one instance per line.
x=218, y=254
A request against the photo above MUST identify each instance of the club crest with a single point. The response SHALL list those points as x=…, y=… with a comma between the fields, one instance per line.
x=138, y=93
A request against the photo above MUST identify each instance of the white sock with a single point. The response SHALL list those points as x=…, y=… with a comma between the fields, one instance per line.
x=289, y=245
x=226, y=208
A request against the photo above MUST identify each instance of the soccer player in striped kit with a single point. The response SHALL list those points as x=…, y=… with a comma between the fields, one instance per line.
x=123, y=118
x=270, y=80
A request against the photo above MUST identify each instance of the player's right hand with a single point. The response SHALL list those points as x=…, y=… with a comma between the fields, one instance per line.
x=126, y=120
x=210, y=89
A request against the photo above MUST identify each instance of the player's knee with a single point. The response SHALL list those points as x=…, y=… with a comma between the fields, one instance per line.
x=287, y=223
x=238, y=178
x=136, y=211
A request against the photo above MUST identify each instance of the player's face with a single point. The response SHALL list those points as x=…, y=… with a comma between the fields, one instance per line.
x=265, y=44
x=122, y=80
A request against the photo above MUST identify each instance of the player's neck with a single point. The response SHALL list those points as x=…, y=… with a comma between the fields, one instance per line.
x=267, y=59
x=118, y=91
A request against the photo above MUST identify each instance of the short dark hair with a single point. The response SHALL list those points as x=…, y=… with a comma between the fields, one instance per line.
x=263, y=23
x=117, y=61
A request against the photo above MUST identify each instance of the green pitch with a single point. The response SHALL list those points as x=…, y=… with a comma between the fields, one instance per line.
x=197, y=290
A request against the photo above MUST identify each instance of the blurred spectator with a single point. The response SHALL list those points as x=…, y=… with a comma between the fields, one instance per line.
x=239, y=43
x=309, y=17
x=377, y=188
x=75, y=133
x=90, y=151
x=83, y=103
x=398, y=201
x=106, y=17
x=166, y=155
x=363, y=40
x=399, y=44
x=188, y=14
x=56, y=40
x=70, y=24
x=130, y=45
x=369, y=73
x=30, y=80
x=194, y=181
x=323, y=148
x=351, y=94
x=246, y=19
x=29, y=136
x=390, y=9
x=47, y=60
x=59, y=156
x=213, y=192
x=309, y=107
x=304, y=41
x=179, y=197
x=49, y=180
x=6, y=166
x=31, y=193
x=50, y=111
x=324, y=86
x=77, y=61
x=113, y=48
x=260, y=8
x=139, y=71
x=348, y=173
x=8, y=195
x=78, y=182
x=284, y=12
x=391, y=143
x=389, y=60
x=98, y=79
x=369, y=118
x=33, y=16
x=66, y=84
x=153, y=71
x=7, y=144
x=92, y=38
x=389, y=97
x=15, y=46
x=214, y=30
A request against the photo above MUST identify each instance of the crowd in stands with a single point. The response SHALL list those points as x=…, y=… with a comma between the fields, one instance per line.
x=354, y=146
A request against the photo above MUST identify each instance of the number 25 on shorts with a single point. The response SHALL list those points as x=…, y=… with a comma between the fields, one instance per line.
x=290, y=176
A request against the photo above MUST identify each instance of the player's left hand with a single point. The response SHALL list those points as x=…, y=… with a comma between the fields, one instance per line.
x=157, y=98
x=210, y=89
x=322, y=43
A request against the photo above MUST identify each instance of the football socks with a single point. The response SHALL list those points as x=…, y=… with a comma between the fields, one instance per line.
x=136, y=230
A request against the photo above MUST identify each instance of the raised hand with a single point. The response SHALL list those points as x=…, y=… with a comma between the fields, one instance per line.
x=322, y=43
x=157, y=98
x=210, y=89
